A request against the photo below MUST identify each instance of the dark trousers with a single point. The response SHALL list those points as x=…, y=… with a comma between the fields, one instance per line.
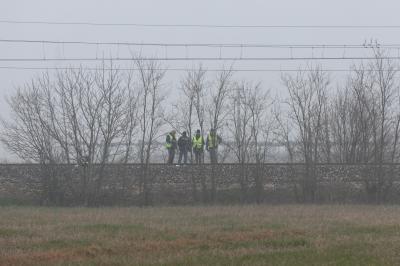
x=184, y=155
x=213, y=155
x=171, y=155
x=198, y=156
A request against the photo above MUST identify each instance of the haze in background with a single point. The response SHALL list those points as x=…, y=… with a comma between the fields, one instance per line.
x=222, y=12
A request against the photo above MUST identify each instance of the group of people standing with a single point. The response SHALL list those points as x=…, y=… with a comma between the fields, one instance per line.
x=196, y=145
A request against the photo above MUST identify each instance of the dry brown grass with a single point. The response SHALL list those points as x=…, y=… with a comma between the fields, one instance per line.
x=237, y=235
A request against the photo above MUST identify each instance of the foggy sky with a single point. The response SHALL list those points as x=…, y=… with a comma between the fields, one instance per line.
x=225, y=12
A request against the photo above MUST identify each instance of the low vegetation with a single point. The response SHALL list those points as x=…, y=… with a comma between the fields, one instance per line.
x=236, y=235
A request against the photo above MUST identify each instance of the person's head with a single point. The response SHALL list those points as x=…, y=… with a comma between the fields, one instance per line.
x=173, y=132
x=184, y=133
x=198, y=132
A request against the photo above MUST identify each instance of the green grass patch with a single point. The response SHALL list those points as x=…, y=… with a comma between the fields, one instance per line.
x=272, y=226
x=216, y=235
x=9, y=233
x=4, y=202
x=285, y=243
x=378, y=230
x=60, y=244
x=230, y=226
x=112, y=228
x=270, y=244
x=308, y=257
x=301, y=257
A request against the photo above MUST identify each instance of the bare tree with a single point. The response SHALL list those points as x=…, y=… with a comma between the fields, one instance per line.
x=262, y=127
x=131, y=119
x=365, y=121
x=81, y=118
x=307, y=98
x=189, y=110
x=198, y=86
x=112, y=120
x=150, y=118
x=250, y=129
x=217, y=111
x=27, y=135
x=219, y=94
x=240, y=120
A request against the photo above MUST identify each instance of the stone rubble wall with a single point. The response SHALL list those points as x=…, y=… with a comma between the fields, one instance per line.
x=191, y=184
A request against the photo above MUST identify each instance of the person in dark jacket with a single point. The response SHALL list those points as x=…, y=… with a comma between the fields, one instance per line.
x=170, y=144
x=184, y=147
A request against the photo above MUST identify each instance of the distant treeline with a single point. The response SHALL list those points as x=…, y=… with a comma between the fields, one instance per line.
x=112, y=115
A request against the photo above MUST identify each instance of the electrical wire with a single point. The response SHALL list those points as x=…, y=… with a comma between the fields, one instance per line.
x=197, y=58
x=235, y=45
x=178, y=69
x=87, y=23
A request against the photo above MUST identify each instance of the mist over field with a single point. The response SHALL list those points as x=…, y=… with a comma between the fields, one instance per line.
x=199, y=132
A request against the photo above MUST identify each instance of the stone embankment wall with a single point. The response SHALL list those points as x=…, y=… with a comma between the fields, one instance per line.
x=190, y=184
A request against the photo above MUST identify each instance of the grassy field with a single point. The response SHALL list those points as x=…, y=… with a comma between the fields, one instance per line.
x=238, y=235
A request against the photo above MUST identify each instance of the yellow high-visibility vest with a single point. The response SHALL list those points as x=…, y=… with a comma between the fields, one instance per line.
x=212, y=141
x=169, y=145
x=197, y=143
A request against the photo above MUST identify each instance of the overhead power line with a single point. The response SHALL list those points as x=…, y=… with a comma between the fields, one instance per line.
x=196, y=58
x=253, y=26
x=162, y=69
x=182, y=69
x=236, y=45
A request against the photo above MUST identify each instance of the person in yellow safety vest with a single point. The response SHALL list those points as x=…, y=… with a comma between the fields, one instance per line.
x=213, y=140
x=170, y=144
x=198, y=147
